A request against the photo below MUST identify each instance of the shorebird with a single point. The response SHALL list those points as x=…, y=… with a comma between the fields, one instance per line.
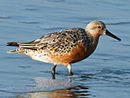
x=64, y=47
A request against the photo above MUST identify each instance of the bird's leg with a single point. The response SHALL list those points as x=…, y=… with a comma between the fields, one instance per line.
x=53, y=71
x=69, y=69
x=69, y=80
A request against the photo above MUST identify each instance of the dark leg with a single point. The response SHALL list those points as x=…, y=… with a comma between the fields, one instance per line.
x=69, y=80
x=69, y=69
x=53, y=71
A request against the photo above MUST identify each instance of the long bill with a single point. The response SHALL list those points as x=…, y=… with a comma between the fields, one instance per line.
x=112, y=35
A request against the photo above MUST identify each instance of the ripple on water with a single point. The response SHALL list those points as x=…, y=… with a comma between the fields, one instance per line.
x=32, y=8
x=4, y=16
x=56, y=0
x=107, y=75
x=126, y=44
x=24, y=66
x=53, y=27
x=104, y=56
x=117, y=21
x=117, y=77
x=29, y=22
x=108, y=21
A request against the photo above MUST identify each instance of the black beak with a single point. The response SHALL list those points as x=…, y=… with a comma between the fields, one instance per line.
x=112, y=35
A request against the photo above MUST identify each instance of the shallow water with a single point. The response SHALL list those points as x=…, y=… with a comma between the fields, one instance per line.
x=105, y=74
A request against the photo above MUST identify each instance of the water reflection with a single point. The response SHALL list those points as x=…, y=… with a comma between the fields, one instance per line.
x=51, y=88
x=53, y=94
x=67, y=93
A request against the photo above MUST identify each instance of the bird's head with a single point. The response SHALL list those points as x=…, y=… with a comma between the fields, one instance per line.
x=97, y=28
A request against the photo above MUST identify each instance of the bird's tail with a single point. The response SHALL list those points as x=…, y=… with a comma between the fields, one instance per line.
x=19, y=50
x=22, y=47
x=12, y=44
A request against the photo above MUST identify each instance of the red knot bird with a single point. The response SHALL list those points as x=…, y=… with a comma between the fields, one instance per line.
x=64, y=47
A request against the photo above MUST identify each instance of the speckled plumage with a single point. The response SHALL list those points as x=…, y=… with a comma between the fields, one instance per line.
x=60, y=43
x=66, y=46
x=57, y=43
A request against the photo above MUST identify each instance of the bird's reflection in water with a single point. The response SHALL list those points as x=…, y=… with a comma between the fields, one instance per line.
x=51, y=88
x=67, y=93
x=53, y=94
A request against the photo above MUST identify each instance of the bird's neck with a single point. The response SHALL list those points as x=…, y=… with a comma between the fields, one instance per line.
x=93, y=45
x=95, y=38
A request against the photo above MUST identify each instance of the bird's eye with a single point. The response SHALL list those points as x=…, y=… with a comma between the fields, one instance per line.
x=99, y=27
